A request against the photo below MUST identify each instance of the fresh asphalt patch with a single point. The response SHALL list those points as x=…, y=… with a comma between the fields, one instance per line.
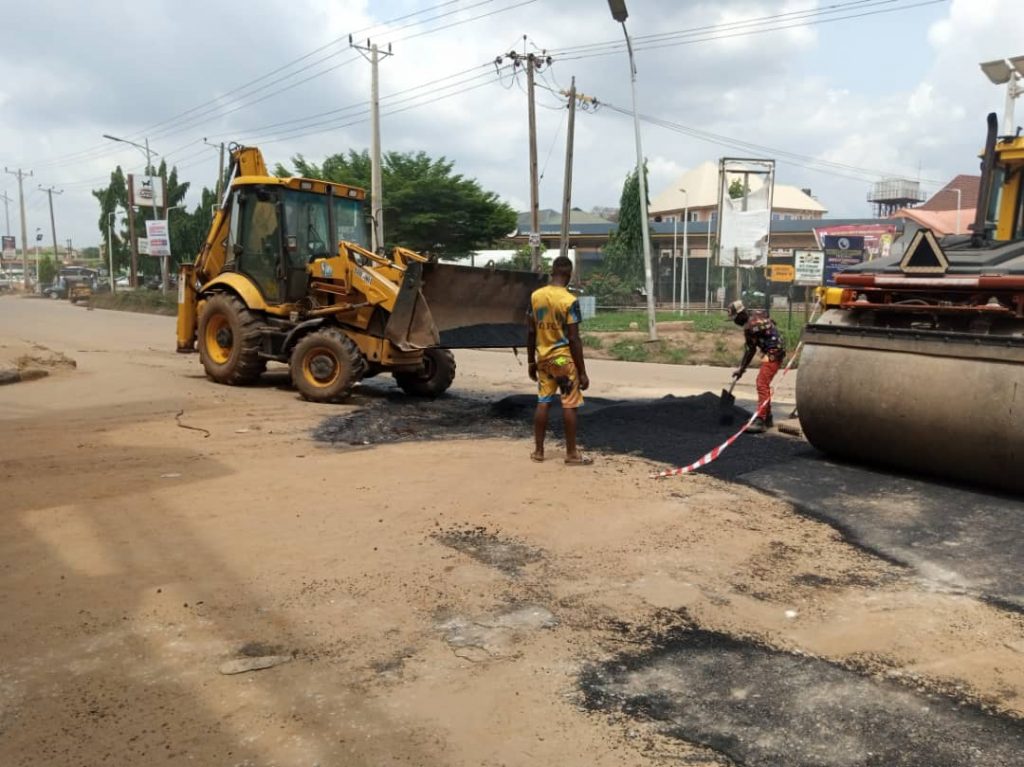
x=959, y=537
x=755, y=705
x=761, y=707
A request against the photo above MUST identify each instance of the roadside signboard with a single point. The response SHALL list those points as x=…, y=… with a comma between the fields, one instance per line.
x=808, y=267
x=143, y=246
x=146, y=190
x=159, y=240
x=9, y=247
x=841, y=252
x=781, y=273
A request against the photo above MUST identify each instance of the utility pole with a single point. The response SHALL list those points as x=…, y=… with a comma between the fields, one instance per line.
x=372, y=53
x=50, y=192
x=220, y=173
x=531, y=63
x=567, y=182
x=7, y=213
x=24, y=226
x=220, y=168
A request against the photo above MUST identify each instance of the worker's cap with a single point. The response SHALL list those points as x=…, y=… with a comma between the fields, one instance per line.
x=736, y=307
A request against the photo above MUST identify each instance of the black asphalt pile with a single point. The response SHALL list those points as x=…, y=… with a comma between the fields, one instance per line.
x=404, y=419
x=674, y=431
x=765, y=708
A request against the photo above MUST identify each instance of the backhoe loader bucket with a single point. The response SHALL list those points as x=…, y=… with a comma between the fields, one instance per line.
x=411, y=324
x=479, y=308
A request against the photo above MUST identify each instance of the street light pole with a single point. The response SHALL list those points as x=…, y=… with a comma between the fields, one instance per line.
x=619, y=13
x=684, y=286
x=110, y=251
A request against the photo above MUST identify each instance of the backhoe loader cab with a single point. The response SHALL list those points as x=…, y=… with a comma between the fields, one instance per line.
x=285, y=274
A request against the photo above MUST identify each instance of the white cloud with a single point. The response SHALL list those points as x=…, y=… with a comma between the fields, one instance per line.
x=102, y=74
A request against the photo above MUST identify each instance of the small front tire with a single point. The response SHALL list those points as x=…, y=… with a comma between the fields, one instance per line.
x=433, y=379
x=325, y=365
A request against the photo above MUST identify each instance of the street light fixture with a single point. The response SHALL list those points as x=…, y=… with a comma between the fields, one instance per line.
x=619, y=13
x=1008, y=73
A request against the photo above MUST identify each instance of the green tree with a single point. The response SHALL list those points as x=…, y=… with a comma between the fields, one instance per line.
x=47, y=270
x=114, y=199
x=426, y=206
x=609, y=290
x=736, y=189
x=523, y=261
x=623, y=256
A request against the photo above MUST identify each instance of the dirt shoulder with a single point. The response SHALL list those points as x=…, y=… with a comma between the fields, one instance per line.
x=437, y=602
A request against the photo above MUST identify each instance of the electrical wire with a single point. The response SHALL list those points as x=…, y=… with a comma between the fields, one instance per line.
x=620, y=47
x=217, y=104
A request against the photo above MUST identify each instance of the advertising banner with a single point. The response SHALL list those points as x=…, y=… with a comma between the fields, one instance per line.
x=840, y=253
x=159, y=238
x=877, y=238
x=9, y=247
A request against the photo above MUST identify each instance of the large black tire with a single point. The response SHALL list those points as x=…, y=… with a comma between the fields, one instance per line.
x=325, y=365
x=229, y=341
x=433, y=379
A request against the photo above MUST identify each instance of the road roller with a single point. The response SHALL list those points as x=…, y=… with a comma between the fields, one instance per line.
x=920, y=366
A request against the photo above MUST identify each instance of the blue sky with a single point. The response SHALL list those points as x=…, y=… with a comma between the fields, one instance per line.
x=892, y=94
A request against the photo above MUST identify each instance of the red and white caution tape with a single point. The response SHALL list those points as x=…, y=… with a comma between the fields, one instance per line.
x=713, y=454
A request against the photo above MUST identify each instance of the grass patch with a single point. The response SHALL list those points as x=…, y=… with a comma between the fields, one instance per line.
x=591, y=342
x=143, y=301
x=629, y=351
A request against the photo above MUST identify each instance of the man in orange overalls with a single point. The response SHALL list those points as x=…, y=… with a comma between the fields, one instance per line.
x=761, y=333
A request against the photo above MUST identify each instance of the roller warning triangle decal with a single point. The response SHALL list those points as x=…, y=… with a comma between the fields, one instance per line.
x=924, y=255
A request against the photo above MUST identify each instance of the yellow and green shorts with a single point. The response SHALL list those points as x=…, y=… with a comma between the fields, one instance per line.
x=557, y=375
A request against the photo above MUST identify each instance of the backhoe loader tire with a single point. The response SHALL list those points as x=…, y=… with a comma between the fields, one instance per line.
x=325, y=365
x=434, y=379
x=229, y=341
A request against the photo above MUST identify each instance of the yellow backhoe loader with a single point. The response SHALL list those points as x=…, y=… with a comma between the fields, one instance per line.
x=921, y=364
x=285, y=274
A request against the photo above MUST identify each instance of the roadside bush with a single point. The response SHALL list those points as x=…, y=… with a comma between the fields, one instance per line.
x=609, y=290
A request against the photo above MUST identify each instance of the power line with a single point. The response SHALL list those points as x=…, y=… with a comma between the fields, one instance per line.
x=162, y=128
x=655, y=45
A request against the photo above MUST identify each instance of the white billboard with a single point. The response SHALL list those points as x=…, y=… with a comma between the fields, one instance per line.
x=744, y=222
x=146, y=190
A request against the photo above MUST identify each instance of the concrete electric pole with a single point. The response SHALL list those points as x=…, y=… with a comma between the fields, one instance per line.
x=567, y=181
x=533, y=64
x=24, y=226
x=372, y=53
x=50, y=192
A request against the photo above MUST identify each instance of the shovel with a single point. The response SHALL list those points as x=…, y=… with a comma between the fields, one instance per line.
x=726, y=414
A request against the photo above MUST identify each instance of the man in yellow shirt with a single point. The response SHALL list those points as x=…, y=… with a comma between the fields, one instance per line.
x=555, y=355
